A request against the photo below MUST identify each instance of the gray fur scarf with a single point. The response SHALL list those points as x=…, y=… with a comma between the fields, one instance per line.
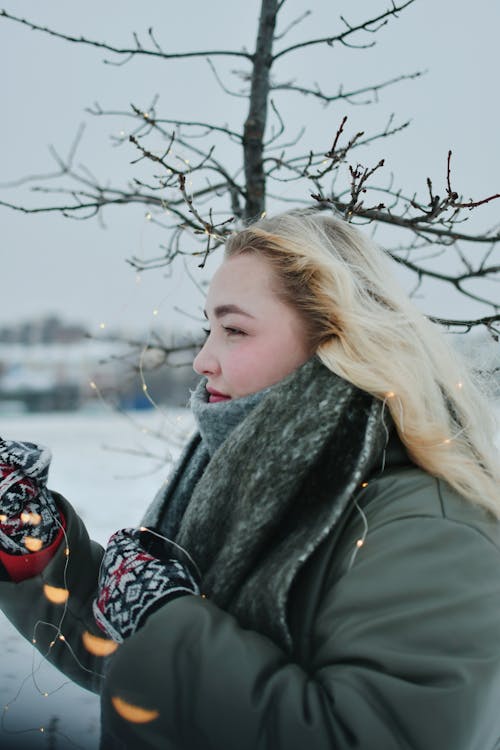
x=276, y=488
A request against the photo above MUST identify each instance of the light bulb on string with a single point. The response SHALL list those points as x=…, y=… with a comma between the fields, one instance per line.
x=61, y=598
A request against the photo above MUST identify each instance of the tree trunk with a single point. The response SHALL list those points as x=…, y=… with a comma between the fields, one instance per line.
x=255, y=124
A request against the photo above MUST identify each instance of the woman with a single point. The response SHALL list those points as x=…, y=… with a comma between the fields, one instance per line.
x=333, y=579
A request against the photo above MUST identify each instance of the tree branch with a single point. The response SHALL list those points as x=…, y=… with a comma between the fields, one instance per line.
x=64, y=165
x=292, y=24
x=346, y=95
x=487, y=321
x=366, y=26
x=128, y=51
x=453, y=196
x=418, y=227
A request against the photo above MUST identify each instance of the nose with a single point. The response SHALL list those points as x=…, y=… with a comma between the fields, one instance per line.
x=205, y=362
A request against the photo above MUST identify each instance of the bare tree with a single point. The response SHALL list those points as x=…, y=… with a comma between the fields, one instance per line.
x=193, y=192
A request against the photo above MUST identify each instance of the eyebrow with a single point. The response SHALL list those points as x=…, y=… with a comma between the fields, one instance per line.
x=221, y=310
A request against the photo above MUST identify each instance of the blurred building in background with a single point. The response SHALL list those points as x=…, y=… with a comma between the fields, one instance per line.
x=48, y=365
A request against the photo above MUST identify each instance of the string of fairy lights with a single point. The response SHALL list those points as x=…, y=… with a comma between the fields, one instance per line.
x=96, y=646
x=57, y=596
x=102, y=647
x=99, y=646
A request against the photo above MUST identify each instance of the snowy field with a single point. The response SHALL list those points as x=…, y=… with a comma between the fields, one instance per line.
x=109, y=467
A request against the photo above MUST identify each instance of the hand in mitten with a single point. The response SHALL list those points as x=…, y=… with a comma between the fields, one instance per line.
x=29, y=518
x=134, y=582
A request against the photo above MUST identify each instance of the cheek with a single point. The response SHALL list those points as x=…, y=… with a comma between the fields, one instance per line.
x=244, y=366
x=287, y=352
x=260, y=363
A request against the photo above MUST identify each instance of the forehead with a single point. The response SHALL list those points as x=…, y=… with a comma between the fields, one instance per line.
x=241, y=277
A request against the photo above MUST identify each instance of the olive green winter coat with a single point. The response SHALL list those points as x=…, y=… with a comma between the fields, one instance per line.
x=400, y=651
x=393, y=617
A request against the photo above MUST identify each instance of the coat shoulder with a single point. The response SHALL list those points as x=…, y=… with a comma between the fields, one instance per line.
x=409, y=492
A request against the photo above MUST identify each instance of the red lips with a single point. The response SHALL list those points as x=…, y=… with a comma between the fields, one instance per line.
x=215, y=396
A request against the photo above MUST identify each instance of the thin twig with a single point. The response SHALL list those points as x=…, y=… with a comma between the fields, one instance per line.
x=128, y=51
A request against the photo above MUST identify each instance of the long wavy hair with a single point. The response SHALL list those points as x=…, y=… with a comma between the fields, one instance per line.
x=363, y=327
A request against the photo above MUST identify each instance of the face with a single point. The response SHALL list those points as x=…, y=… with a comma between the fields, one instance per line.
x=255, y=339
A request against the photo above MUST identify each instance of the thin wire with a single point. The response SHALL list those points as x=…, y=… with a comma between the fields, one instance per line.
x=171, y=541
x=361, y=540
x=59, y=636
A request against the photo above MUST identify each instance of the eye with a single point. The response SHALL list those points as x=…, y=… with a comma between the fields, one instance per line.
x=206, y=331
x=233, y=331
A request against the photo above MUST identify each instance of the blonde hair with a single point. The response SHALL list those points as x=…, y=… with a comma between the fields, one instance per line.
x=364, y=328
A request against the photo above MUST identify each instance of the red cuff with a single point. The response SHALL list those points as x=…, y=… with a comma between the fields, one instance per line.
x=21, y=567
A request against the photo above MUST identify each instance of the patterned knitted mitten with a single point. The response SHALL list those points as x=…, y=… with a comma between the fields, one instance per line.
x=134, y=582
x=29, y=518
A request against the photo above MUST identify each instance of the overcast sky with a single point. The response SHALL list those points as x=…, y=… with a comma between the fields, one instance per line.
x=77, y=269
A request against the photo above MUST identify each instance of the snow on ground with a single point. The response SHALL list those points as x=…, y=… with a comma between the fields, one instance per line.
x=109, y=467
